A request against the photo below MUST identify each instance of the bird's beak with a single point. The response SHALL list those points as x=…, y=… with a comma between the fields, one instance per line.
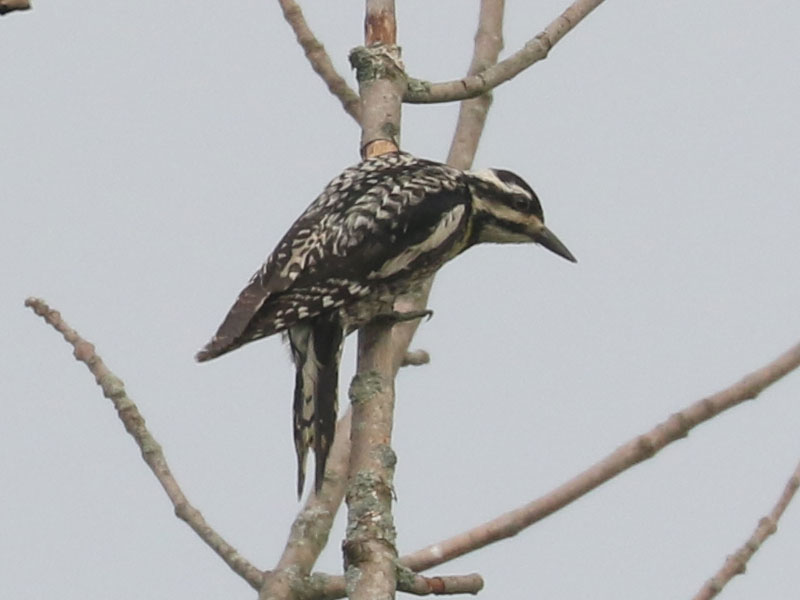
x=548, y=239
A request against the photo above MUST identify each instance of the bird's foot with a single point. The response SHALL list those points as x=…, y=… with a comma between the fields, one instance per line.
x=401, y=317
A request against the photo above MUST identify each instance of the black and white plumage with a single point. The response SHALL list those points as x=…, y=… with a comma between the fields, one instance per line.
x=377, y=230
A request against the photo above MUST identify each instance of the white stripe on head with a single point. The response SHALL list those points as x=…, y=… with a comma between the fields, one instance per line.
x=490, y=177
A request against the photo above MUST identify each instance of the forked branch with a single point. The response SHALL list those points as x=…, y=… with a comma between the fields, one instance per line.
x=319, y=59
x=635, y=451
x=421, y=92
x=317, y=586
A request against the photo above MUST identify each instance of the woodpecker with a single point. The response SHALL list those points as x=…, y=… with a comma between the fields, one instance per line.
x=376, y=231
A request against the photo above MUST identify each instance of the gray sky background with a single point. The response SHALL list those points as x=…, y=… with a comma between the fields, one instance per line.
x=154, y=153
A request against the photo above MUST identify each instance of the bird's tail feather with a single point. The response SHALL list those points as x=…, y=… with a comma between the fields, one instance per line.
x=328, y=340
x=303, y=425
x=316, y=349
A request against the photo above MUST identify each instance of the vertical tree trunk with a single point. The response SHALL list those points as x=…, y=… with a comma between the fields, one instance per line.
x=369, y=548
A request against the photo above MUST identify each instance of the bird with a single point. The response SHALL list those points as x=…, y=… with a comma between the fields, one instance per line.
x=377, y=230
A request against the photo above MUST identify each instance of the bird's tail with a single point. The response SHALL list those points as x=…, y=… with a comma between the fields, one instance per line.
x=316, y=349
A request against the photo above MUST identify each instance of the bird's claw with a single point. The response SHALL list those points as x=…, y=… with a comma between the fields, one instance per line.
x=401, y=317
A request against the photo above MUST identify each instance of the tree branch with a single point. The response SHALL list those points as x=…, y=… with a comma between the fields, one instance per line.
x=415, y=358
x=420, y=92
x=319, y=59
x=382, y=350
x=327, y=587
x=385, y=350
x=382, y=81
x=381, y=84
x=7, y=6
x=153, y=455
x=369, y=548
x=472, y=113
x=311, y=527
x=636, y=450
x=469, y=128
x=736, y=563
x=420, y=585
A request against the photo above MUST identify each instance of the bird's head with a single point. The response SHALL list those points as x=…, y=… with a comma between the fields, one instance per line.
x=508, y=211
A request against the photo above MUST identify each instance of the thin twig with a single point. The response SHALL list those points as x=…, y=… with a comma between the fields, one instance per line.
x=153, y=455
x=416, y=358
x=736, y=563
x=319, y=59
x=636, y=450
x=7, y=6
x=419, y=585
x=420, y=92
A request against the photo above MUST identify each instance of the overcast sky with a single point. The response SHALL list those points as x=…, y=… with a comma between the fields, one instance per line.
x=153, y=155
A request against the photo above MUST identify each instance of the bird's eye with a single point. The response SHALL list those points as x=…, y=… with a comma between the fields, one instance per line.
x=519, y=202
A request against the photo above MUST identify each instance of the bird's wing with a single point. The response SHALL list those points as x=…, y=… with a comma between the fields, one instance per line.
x=250, y=300
x=373, y=220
